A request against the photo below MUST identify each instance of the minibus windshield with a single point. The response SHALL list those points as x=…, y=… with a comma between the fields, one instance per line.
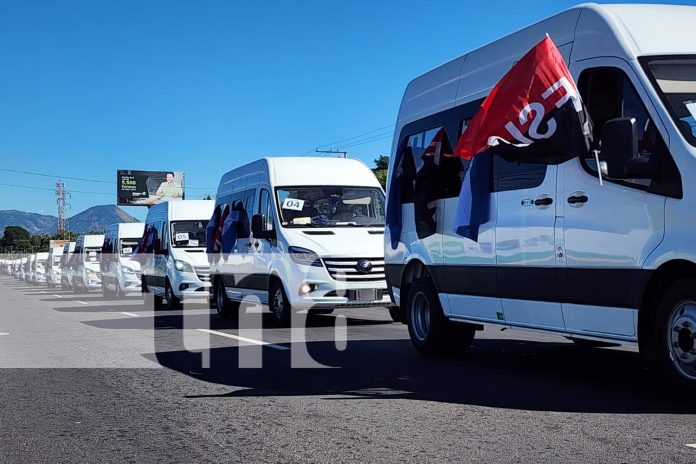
x=331, y=206
x=127, y=246
x=675, y=79
x=188, y=234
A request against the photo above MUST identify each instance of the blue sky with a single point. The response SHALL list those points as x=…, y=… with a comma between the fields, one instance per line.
x=89, y=87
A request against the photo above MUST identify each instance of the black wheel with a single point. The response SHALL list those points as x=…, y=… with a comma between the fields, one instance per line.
x=431, y=332
x=675, y=334
x=225, y=307
x=395, y=314
x=173, y=301
x=117, y=294
x=278, y=303
x=148, y=297
x=106, y=293
x=157, y=302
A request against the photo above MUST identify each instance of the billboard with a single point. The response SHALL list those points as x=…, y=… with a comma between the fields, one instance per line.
x=147, y=188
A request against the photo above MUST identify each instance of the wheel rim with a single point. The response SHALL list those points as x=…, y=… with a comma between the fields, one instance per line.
x=681, y=338
x=420, y=316
x=278, y=303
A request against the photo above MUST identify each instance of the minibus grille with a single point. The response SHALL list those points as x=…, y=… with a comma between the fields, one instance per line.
x=203, y=273
x=347, y=269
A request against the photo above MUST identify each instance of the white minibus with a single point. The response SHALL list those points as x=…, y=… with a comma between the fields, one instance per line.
x=300, y=233
x=120, y=272
x=86, y=270
x=562, y=252
x=53, y=266
x=38, y=266
x=175, y=265
x=66, y=262
x=29, y=269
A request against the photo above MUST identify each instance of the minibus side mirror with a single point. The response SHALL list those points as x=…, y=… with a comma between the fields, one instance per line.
x=619, y=145
x=258, y=228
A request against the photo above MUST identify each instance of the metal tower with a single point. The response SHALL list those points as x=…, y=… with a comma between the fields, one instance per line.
x=60, y=199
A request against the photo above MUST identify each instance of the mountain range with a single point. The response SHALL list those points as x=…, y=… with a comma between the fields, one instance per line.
x=91, y=219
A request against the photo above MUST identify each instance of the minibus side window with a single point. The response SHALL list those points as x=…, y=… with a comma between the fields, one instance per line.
x=513, y=175
x=608, y=94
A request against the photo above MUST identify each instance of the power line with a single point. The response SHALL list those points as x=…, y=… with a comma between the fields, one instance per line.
x=350, y=138
x=83, y=179
x=53, y=189
x=370, y=140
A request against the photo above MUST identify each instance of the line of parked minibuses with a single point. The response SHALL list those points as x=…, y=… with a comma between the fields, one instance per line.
x=291, y=233
x=606, y=255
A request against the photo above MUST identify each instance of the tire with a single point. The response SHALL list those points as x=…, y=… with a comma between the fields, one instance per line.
x=225, y=307
x=175, y=303
x=395, y=314
x=675, y=334
x=278, y=303
x=106, y=293
x=430, y=331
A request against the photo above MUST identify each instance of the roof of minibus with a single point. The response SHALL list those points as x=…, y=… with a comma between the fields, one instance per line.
x=301, y=170
x=182, y=210
x=130, y=230
x=626, y=31
x=295, y=171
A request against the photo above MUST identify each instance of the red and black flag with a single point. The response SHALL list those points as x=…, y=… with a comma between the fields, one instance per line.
x=533, y=115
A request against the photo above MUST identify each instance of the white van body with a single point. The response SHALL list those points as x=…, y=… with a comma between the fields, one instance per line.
x=598, y=262
x=53, y=266
x=337, y=244
x=66, y=262
x=120, y=272
x=178, y=263
x=29, y=273
x=38, y=275
x=86, y=269
x=22, y=269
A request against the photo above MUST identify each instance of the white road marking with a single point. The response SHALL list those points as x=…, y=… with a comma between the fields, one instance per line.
x=129, y=314
x=4, y=333
x=58, y=296
x=81, y=302
x=693, y=445
x=42, y=291
x=244, y=339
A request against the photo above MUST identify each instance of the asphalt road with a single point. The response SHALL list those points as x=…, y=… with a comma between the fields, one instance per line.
x=88, y=380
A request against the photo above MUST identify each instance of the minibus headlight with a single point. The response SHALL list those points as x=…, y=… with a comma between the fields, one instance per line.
x=304, y=256
x=127, y=270
x=182, y=266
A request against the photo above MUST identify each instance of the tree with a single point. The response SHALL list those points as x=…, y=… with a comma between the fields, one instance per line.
x=381, y=169
x=14, y=238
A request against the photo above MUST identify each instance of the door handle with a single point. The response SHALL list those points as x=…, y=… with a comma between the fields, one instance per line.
x=577, y=199
x=543, y=201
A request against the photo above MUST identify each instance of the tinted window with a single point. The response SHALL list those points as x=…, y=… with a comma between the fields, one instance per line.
x=513, y=175
x=609, y=94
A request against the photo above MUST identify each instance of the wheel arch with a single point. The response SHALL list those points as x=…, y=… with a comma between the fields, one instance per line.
x=657, y=284
x=415, y=269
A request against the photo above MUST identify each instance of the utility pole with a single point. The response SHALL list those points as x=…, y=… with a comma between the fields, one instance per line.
x=334, y=152
x=60, y=199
